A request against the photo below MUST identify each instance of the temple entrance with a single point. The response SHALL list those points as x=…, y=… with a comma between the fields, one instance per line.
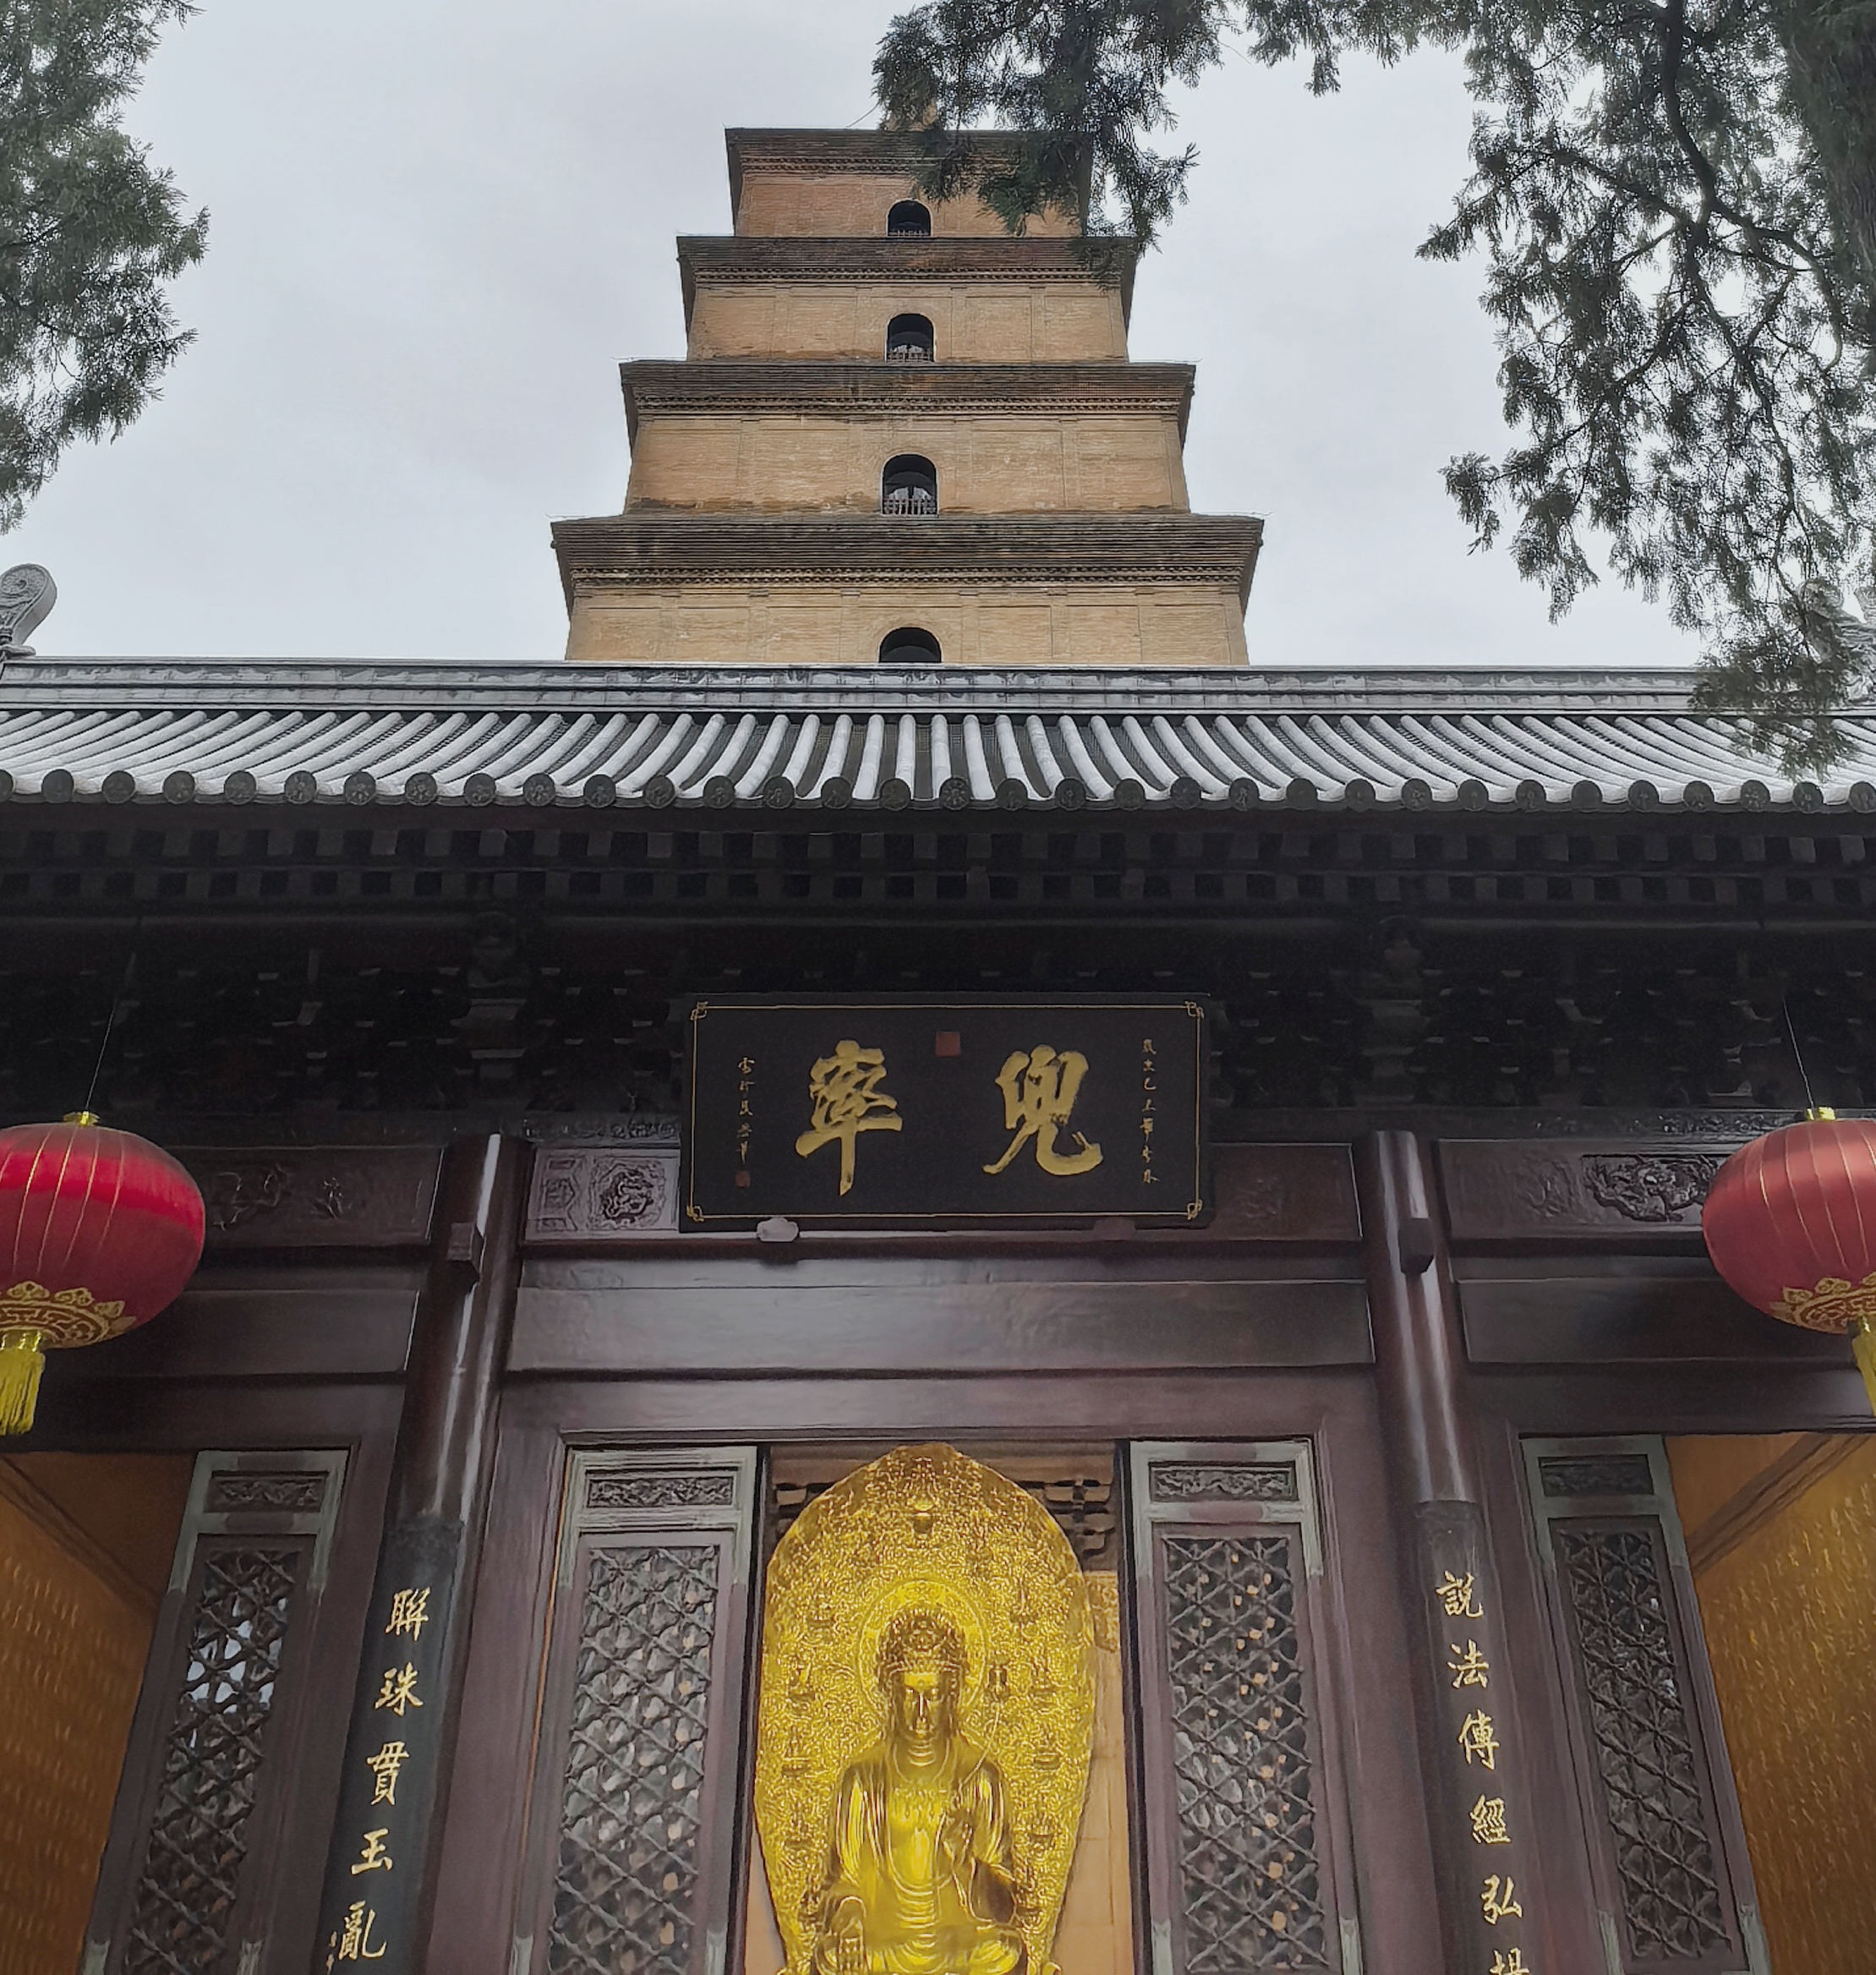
x=906, y=1707
x=1780, y=1533
x=86, y=1543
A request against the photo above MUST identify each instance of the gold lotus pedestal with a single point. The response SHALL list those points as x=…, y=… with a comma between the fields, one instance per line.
x=927, y=1717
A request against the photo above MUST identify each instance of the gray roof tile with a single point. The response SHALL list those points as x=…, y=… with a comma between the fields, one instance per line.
x=320, y=731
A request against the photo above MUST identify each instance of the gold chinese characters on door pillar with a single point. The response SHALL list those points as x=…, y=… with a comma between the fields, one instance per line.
x=927, y=1716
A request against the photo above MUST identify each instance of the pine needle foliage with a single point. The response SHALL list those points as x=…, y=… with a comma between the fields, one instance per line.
x=89, y=234
x=1676, y=203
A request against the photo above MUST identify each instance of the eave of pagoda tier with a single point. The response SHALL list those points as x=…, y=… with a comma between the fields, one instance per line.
x=867, y=388
x=1142, y=589
x=813, y=438
x=1021, y=300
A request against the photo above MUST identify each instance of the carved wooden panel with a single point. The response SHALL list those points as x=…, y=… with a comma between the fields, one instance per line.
x=312, y=1196
x=1673, y=1886
x=1284, y=1193
x=1575, y=1475
x=630, y=1858
x=193, y=1856
x=1246, y=1833
x=587, y=1193
x=1222, y=1480
x=237, y=1492
x=662, y=1488
x=1523, y=1189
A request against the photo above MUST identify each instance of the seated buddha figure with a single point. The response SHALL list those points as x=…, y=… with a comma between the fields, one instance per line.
x=920, y=1877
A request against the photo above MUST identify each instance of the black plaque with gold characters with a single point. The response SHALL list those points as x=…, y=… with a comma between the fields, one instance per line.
x=930, y=1113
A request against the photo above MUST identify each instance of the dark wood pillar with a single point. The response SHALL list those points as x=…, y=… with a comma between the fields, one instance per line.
x=380, y=1870
x=1483, y=1844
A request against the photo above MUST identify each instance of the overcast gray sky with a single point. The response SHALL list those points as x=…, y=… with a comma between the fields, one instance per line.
x=437, y=227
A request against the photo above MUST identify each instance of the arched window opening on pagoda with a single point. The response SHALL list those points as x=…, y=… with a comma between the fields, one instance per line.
x=909, y=646
x=909, y=220
x=909, y=485
x=909, y=340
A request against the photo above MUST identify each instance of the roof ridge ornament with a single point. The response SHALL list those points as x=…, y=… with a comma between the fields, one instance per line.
x=27, y=594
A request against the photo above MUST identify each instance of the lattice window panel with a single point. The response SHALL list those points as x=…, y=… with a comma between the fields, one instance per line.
x=204, y=1834
x=632, y=1860
x=200, y=1829
x=1644, y=1735
x=1249, y=1868
x=625, y=1883
x=1246, y=1831
x=1674, y=1883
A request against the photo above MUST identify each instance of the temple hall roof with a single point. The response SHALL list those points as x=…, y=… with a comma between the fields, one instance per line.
x=320, y=732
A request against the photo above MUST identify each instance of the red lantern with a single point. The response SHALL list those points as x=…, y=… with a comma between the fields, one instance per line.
x=99, y=1230
x=1791, y=1223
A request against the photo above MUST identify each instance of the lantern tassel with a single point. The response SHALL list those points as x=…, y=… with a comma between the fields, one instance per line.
x=21, y=1363
x=1863, y=1342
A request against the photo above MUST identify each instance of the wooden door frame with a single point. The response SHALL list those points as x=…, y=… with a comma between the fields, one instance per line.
x=542, y=1420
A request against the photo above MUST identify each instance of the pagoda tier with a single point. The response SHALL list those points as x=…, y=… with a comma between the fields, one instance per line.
x=1098, y=590
x=1002, y=437
x=1026, y=299
x=839, y=181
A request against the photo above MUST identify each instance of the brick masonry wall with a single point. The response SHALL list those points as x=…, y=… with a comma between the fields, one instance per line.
x=972, y=322
x=841, y=204
x=837, y=623
x=985, y=464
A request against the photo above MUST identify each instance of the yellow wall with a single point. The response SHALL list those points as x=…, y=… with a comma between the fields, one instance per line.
x=1710, y=1469
x=1095, y=1935
x=985, y=464
x=826, y=204
x=84, y=1547
x=1790, y=1618
x=1000, y=624
x=972, y=322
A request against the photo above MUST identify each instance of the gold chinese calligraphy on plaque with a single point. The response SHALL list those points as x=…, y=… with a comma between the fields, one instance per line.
x=935, y=1112
x=926, y=1721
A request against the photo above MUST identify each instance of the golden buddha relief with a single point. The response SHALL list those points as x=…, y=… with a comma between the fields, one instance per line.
x=927, y=1714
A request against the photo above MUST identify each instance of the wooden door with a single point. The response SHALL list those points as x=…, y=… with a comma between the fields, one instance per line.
x=194, y=1869
x=635, y=1817
x=1247, y=1850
